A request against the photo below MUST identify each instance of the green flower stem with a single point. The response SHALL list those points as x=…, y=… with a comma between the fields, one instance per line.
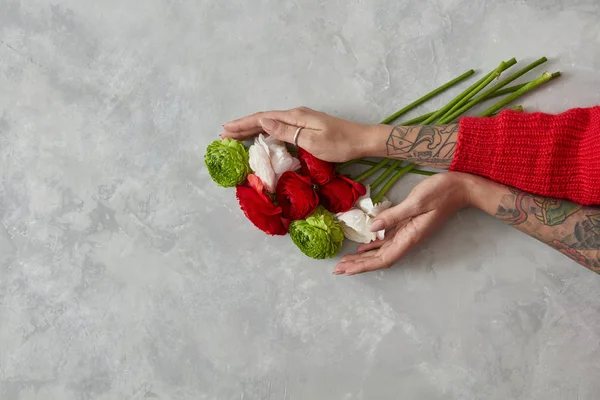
x=468, y=93
x=417, y=102
x=397, y=175
x=509, y=90
x=415, y=121
x=428, y=96
x=346, y=164
x=545, y=77
x=395, y=165
x=389, y=170
x=493, y=75
x=440, y=113
x=509, y=79
x=452, y=115
x=412, y=171
x=421, y=172
x=414, y=104
x=372, y=170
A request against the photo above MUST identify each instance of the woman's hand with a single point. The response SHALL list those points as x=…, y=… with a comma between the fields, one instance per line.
x=409, y=223
x=337, y=140
x=326, y=137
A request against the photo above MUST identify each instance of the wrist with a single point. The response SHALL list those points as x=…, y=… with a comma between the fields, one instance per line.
x=374, y=140
x=480, y=192
x=470, y=187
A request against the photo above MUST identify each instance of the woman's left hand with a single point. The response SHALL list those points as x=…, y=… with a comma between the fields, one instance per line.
x=325, y=137
x=409, y=223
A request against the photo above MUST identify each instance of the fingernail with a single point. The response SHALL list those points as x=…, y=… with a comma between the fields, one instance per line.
x=377, y=226
x=338, y=270
x=267, y=123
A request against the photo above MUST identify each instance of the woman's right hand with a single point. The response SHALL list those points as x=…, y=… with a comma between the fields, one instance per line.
x=326, y=137
x=412, y=221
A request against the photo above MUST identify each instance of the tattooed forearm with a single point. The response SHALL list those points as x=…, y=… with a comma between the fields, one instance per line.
x=431, y=145
x=570, y=228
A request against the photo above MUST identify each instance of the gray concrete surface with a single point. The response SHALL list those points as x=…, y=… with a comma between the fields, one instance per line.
x=126, y=274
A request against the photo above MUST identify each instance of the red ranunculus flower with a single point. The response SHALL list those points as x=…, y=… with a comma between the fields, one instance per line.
x=259, y=208
x=319, y=171
x=340, y=194
x=296, y=195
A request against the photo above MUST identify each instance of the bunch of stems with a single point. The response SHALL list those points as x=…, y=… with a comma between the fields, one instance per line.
x=469, y=98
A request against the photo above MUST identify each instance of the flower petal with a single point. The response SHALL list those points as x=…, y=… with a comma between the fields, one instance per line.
x=269, y=159
x=356, y=224
x=260, y=162
x=281, y=160
x=365, y=203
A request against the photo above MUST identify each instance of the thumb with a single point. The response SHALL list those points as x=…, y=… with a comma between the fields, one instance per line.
x=278, y=129
x=393, y=216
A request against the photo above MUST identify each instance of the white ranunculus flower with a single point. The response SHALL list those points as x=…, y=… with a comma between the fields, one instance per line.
x=357, y=222
x=269, y=159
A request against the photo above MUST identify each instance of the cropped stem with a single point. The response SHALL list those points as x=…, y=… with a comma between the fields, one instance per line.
x=439, y=113
x=372, y=170
x=385, y=174
x=545, y=77
x=421, y=172
x=491, y=92
x=509, y=90
x=428, y=96
x=341, y=166
x=464, y=96
x=416, y=120
x=511, y=78
x=414, y=104
x=397, y=175
x=493, y=75
x=412, y=171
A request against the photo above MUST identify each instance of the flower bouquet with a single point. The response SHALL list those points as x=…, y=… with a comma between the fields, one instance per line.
x=280, y=193
x=311, y=200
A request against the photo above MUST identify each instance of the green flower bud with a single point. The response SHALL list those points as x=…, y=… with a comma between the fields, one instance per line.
x=227, y=162
x=318, y=236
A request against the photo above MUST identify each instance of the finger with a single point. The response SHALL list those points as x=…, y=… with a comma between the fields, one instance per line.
x=352, y=257
x=377, y=243
x=369, y=265
x=340, y=268
x=279, y=130
x=252, y=122
x=372, y=245
x=243, y=135
x=394, y=215
x=405, y=240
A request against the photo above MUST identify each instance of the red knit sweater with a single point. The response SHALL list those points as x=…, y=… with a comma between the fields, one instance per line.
x=548, y=155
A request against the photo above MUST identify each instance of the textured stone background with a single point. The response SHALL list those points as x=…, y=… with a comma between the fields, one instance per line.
x=126, y=274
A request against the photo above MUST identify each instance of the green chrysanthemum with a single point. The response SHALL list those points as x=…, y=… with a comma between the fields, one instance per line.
x=227, y=162
x=318, y=236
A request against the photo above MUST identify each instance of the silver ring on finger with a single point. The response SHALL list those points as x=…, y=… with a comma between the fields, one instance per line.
x=296, y=136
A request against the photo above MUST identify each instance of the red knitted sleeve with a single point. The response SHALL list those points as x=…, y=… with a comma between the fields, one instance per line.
x=548, y=155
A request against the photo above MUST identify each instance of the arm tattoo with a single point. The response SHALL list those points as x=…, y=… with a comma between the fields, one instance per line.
x=570, y=228
x=431, y=145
